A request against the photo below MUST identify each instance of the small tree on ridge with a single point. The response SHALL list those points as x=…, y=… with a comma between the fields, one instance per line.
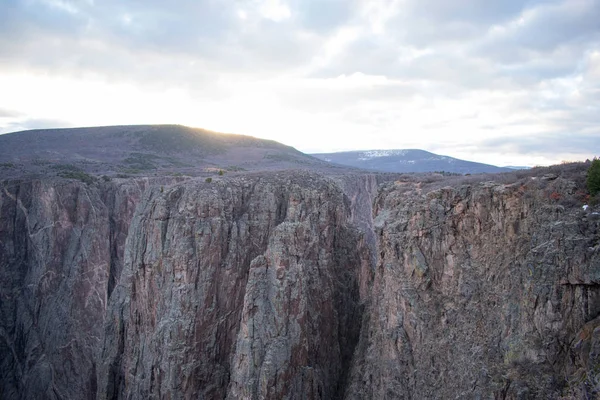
x=593, y=177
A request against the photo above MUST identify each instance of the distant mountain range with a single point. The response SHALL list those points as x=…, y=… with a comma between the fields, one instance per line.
x=151, y=150
x=142, y=150
x=407, y=160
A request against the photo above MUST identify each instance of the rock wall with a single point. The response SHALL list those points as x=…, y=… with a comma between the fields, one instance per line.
x=242, y=288
x=294, y=285
x=61, y=247
x=480, y=291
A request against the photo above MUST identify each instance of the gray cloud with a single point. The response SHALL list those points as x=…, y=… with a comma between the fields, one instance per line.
x=115, y=37
x=550, y=42
x=545, y=143
x=20, y=20
x=6, y=113
x=567, y=27
x=535, y=56
x=436, y=22
x=153, y=38
x=472, y=12
x=34, y=123
x=324, y=15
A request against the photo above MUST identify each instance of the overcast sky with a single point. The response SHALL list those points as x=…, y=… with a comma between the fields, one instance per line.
x=505, y=82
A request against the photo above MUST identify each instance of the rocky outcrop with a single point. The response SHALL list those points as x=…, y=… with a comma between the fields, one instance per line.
x=244, y=288
x=61, y=247
x=479, y=291
x=295, y=285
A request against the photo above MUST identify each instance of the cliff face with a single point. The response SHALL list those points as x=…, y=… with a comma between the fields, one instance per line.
x=293, y=285
x=238, y=289
x=480, y=290
x=61, y=247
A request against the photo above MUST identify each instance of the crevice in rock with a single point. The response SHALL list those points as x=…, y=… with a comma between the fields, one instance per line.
x=114, y=388
x=282, y=206
x=114, y=267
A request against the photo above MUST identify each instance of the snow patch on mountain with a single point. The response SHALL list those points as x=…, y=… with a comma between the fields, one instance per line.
x=367, y=155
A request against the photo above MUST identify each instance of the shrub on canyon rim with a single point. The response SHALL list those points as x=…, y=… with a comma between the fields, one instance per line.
x=593, y=177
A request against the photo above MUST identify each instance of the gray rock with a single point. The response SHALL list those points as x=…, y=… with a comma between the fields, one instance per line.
x=295, y=285
x=479, y=296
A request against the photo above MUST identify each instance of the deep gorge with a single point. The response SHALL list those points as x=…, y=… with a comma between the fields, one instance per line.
x=298, y=285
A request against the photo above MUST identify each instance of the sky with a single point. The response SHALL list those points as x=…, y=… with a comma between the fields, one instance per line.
x=502, y=82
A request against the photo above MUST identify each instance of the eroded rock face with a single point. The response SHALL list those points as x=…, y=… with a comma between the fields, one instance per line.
x=60, y=248
x=294, y=285
x=245, y=288
x=478, y=292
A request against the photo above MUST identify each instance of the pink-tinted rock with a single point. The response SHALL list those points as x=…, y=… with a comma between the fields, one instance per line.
x=244, y=288
x=294, y=285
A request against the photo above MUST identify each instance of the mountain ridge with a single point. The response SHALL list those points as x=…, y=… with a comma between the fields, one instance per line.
x=144, y=150
x=135, y=150
x=406, y=161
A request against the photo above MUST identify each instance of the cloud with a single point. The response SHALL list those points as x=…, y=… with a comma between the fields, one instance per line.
x=325, y=15
x=545, y=143
x=33, y=123
x=471, y=12
x=41, y=35
x=403, y=72
x=6, y=113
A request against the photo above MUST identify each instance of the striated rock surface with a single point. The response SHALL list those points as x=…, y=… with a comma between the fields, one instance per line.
x=244, y=288
x=61, y=246
x=294, y=285
x=478, y=292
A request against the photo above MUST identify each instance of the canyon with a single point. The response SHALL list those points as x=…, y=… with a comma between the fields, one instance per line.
x=300, y=284
x=297, y=285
